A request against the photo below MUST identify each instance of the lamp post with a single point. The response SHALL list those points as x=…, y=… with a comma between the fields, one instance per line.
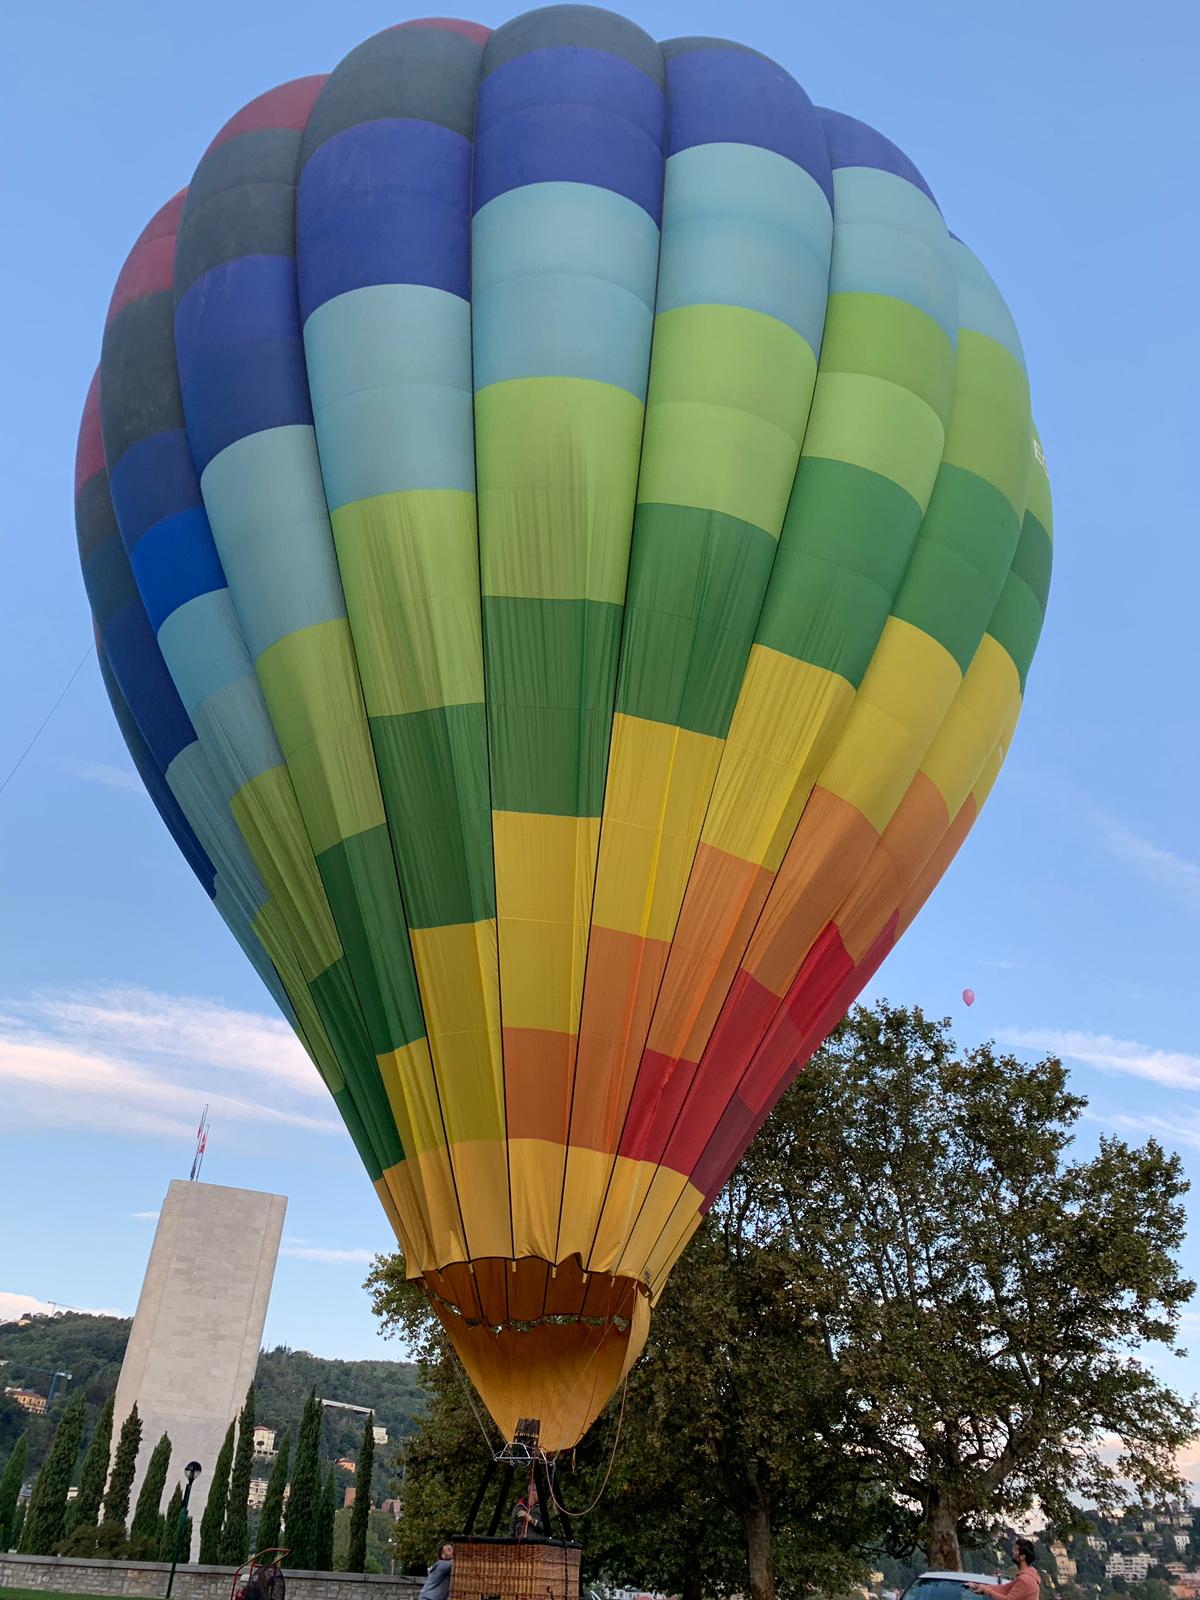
x=191, y=1472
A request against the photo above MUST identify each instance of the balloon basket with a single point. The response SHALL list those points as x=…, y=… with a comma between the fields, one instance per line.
x=514, y=1569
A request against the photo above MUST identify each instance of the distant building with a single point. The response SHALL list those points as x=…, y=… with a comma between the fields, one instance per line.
x=393, y=1506
x=346, y=1463
x=1097, y=1544
x=1131, y=1568
x=380, y=1435
x=28, y=1400
x=257, y=1496
x=1064, y=1567
x=264, y=1440
x=1181, y=1542
x=348, y=1497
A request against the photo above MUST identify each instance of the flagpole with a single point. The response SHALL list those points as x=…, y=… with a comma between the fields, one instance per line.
x=201, y=1142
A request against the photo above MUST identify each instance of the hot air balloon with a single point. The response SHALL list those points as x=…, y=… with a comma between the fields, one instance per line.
x=566, y=539
x=968, y=997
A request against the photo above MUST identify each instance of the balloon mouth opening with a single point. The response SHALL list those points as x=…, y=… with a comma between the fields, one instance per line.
x=541, y=1339
x=531, y=1293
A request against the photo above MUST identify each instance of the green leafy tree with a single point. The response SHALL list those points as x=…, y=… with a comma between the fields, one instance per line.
x=144, y=1529
x=356, y=1556
x=46, y=1524
x=120, y=1482
x=84, y=1510
x=323, y=1554
x=270, y=1522
x=10, y=1489
x=1150, y=1589
x=305, y=1499
x=212, y=1523
x=235, y=1539
x=381, y=1530
x=987, y=1292
x=90, y=1348
x=166, y=1538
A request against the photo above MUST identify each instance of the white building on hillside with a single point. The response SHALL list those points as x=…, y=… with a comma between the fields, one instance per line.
x=1132, y=1568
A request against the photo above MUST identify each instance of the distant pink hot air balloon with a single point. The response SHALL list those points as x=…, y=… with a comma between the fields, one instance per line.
x=969, y=996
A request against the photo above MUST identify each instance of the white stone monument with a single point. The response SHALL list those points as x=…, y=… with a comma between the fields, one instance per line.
x=194, y=1345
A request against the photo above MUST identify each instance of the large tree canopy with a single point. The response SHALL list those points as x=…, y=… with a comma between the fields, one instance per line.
x=987, y=1287
x=915, y=1310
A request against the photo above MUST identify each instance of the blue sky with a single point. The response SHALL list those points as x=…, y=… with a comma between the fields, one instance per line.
x=1064, y=152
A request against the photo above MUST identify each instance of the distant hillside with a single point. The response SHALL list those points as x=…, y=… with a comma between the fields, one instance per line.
x=91, y=1349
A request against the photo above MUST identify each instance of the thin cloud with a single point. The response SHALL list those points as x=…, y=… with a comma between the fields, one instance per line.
x=1156, y=865
x=1167, y=1130
x=313, y=1252
x=130, y=1018
x=1174, y=1069
x=1162, y=868
x=144, y=1216
x=1002, y=966
x=111, y=777
x=131, y=1062
x=13, y=1306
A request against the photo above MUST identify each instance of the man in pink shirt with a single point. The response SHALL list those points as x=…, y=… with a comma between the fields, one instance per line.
x=1024, y=1586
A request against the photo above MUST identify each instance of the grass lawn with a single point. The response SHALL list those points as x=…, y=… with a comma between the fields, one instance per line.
x=40, y=1594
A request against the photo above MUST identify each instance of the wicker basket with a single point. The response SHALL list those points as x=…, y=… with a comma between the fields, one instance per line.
x=514, y=1569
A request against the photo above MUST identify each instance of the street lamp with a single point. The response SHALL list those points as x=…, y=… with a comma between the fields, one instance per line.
x=191, y=1472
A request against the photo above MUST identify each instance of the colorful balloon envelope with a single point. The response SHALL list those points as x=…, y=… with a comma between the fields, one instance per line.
x=566, y=539
x=968, y=997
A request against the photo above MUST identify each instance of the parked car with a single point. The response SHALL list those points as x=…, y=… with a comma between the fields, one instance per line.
x=946, y=1585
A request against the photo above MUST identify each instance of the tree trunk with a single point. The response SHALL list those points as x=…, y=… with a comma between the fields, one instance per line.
x=692, y=1587
x=757, y=1520
x=941, y=1536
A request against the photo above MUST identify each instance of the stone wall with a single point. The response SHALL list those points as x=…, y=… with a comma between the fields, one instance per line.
x=69, y=1575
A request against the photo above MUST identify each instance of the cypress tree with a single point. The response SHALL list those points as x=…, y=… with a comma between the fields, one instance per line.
x=145, y=1518
x=46, y=1523
x=305, y=1499
x=235, y=1539
x=84, y=1510
x=213, y=1520
x=270, y=1523
x=10, y=1489
x=356, y=1554
x=124, y=1469
x=166, y=1542
x=185, y=1551
x=323, y=1555
x=120, y=1483
x=18, y=1527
